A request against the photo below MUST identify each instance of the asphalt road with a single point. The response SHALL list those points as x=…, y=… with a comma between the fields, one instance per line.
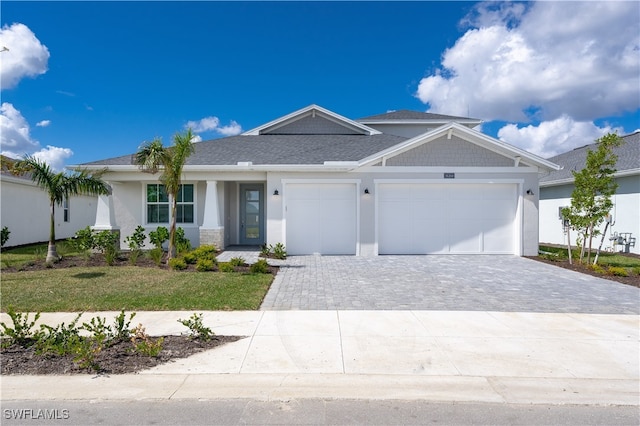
x=308, y=412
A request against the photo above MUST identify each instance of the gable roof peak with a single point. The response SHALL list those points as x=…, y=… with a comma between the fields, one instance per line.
x=313, y=111
x=414, y=116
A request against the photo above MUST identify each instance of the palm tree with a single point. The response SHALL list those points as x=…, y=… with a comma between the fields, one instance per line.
x=153, y=157
x=59, y=186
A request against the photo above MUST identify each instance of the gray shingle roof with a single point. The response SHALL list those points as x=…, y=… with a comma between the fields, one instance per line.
x=628, y=158
x=405, y=114
x=279, y=149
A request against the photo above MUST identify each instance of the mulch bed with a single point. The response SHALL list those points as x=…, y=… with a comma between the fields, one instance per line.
x=584, y=269
x=116, y=359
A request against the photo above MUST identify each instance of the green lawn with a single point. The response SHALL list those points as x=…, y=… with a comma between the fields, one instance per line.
x=130, y=288
x=20, y=255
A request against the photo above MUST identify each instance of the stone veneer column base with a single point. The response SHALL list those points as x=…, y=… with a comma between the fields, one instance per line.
x=212, y=236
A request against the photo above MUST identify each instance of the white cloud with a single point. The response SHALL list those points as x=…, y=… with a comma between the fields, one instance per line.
x=515, y=65
x=553, y=137
x=54, y=156
x=25, y=57
x=43, y=123
x=230, y=130
x=16, y=140
x=15, y=135
x=212, y=124
x=196, y=138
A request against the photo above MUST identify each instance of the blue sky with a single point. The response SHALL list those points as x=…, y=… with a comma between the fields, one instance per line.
x=83, y=81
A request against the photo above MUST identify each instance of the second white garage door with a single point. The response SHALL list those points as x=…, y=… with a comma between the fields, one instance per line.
x=416, y=218
x=321, y=218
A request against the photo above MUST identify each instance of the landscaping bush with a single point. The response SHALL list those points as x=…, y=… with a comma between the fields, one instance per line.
x=207, y=251
x=4, y=236
x=156, y=255
x=177, y=264
x=190, y=258
x=237, y=261
x=260, y=267
x=197, y=330
x=159, y=236
x=597, y=269
x=226, y=267
x=135, y=242
x=182, y=243
x=204, y=265
x=105, y=242
x=618, y=271
x=82, y=241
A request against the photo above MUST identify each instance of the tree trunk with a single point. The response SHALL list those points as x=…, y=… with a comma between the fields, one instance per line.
x=172, y=230
x=52, y=254
x=604, y=234
x=590, y=243
x=569, y=244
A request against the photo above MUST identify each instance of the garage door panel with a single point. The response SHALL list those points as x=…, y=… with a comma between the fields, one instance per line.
x=321, y=218
x=446, y=218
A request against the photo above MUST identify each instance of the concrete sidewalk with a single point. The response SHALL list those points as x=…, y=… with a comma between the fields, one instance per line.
x=462, y=356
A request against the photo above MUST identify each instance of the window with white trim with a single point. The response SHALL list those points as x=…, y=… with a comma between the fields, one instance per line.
x=65, y=210
x=158, y=206
x=184, y=205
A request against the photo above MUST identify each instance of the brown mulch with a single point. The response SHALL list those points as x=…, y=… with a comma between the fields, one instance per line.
x=119, y=358
x=584, y=269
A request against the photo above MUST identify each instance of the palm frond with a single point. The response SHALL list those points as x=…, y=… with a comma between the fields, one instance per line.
x=151, y=156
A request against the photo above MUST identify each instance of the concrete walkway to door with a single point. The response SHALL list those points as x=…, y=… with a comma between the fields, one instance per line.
x=443, y=283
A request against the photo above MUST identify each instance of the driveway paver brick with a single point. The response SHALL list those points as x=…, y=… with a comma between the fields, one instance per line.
x=453, y=283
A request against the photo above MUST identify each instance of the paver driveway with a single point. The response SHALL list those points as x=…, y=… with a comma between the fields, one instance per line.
x=461, y=283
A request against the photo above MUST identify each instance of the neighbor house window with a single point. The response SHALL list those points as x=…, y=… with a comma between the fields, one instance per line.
x=65, y=209
x=158, y=207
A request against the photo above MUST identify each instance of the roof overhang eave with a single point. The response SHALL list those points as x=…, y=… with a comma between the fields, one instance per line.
x=558, y=182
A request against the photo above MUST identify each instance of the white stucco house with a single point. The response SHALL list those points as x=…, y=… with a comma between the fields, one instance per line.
x=24, y=209
x=557, y=186
x=402, y=182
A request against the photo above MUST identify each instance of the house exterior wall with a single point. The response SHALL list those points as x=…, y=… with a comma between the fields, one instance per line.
x=24, y=209
x=626, y=213
x=524, y=179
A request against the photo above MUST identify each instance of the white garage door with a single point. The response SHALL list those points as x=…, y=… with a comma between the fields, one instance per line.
x=321, y=218
x=446, y=218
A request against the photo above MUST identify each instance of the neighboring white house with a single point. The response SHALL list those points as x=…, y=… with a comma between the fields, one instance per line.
x=557, y=186
x=398, y=183
x=24, y=209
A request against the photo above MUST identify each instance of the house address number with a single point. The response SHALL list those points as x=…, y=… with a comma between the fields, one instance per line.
x=449, y=175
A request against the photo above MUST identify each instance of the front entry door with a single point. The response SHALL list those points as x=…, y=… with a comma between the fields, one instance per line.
x=251, y=214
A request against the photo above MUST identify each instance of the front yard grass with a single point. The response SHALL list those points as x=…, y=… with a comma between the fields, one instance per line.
x=605, y=259
x=130, y=288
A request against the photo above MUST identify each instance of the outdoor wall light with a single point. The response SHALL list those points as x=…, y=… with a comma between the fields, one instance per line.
x=529, y=192
x=366, y=190
x=275, y=192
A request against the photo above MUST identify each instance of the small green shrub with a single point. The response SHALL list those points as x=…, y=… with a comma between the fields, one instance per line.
x=618, y=271
x=4, y=236
x=156, y=254
x=207, y=251
x=226, y=267
x=636, y=270
x=105, y=242
x=61, y=340
x=197, y=330
x=143, y=344
x=265, y=250
x=182, y=243
x=159, y=236
x=190, y=258
x=22, y=331
x=204, y=265
x=83, y=242
x=279, y=251
x=122, y=326
x=177, y=264
x=135, y=242
x=237, y=261
x=260, y=267
x=597, y=269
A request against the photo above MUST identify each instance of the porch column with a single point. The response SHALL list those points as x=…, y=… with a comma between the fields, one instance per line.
x=106, y=215
x=212, y=230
